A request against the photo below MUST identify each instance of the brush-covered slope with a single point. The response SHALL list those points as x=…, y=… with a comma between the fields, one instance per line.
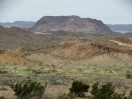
x=11, y=30
x=12, y=38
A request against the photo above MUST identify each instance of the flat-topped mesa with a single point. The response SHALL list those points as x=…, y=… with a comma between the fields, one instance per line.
x=70, y=24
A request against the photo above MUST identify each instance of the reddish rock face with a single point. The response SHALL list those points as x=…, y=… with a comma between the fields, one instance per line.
x=110, y=49
x=1, y=51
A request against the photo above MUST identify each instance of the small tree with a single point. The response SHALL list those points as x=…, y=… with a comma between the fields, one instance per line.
x=120, y=96
x=28, y=89
x=78, y=88
x=1, y=97
x=104, y=92
x=128, y=74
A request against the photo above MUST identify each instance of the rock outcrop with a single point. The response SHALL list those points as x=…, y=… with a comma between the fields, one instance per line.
x=7, y=57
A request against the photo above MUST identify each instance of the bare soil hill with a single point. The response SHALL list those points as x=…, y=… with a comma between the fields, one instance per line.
x=16, y=57
x=88, y=50
x=83, y=48
x=7, y=57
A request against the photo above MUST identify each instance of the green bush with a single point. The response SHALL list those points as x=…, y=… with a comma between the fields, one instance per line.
x=28, y=89
x=1, y=97
x=3, y=72
x=119, y=96
x=78, y=88
x=103, y=92
x=128, y=74
x=130, y=95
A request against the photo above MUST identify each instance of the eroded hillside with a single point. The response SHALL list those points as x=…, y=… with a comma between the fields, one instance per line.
x=83, y=48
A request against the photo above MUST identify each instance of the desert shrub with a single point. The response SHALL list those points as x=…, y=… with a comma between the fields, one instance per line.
x=119, y=96
x=122, y=96
x=3, y=72
x=128, y=74
x=130, y=95
x=78, y=88
x=1, y=97
x=102, y=92
x=28, y=89
x=37, y=71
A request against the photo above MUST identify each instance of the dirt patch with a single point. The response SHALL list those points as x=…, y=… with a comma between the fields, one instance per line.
x=122, y=44
x=124, y=40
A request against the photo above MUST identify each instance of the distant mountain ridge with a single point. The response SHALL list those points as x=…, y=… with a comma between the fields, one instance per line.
x=21, y=24
x=70, y=24
x=124, y=28
x=11, y=30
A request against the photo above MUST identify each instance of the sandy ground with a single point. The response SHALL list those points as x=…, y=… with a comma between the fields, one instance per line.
x=7, y=93
x=108, y=60
x=41, y=33
x=101, y=60
x=45, y=58
x=121, y=44
x=130, y=38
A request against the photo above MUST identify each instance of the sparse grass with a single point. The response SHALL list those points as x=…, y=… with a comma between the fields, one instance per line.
x=79, y=72
x=65, y=75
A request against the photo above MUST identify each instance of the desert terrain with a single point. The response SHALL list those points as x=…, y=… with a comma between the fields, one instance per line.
x=60, y=57
x=85, y=58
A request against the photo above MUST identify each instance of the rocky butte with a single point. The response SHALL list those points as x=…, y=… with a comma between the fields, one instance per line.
x=70, y=24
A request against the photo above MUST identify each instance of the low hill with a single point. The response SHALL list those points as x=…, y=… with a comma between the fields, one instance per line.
x=20, y=24
x=123, y=28
x=11, y=30
x=84, y=48
x=7, y=57
x=12, y=38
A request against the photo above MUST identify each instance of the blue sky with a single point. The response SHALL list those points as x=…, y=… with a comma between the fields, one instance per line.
x=109, y=11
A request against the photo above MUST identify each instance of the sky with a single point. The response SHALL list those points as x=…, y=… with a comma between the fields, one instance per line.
x=108, y=11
